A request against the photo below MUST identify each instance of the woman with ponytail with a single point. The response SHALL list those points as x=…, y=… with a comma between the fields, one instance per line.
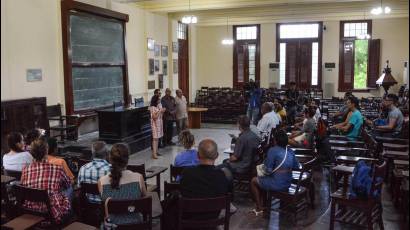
x=121, y=183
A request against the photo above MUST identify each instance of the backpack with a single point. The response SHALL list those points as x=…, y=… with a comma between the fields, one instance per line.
x=361, y=181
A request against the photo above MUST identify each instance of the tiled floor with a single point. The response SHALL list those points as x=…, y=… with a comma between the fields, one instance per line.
x=317, y=218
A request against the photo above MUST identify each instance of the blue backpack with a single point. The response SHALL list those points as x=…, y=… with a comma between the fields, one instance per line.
x=361, y=181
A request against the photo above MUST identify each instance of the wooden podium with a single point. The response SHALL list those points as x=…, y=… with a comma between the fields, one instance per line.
x=194, y=117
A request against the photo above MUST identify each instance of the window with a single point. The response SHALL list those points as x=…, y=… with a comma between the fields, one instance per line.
x=246, y=54
x=359, y=57
x=299, y=54
x=181, y=31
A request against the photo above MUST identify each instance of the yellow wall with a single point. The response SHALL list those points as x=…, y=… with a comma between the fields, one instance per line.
x=214, y=64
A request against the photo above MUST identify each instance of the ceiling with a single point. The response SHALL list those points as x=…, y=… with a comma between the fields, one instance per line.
x=215, y=12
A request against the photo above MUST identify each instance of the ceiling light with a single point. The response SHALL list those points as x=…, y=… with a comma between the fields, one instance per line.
x=380, y=10
x=376, y=11
x=227, y=41
x=363, y=36
x=189, y=19
x=387, y=10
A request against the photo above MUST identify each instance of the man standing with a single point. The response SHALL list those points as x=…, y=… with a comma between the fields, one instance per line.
x=292, y=95
x=181, y=111
x=254, y=102
x=168, y=102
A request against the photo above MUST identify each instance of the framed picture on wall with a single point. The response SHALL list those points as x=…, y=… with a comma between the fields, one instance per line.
x=164, y=67
x=175, y=47
x=164, y=51
x=175, y=65
x=150, y=44
x=160, y=81
x=157, y=50
x=151, y=84
x=156, y=65
x=151, y=66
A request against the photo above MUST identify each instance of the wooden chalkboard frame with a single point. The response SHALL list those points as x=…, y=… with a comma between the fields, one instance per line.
x=70, y=7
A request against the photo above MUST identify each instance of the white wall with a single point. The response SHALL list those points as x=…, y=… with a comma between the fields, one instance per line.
x=214, y=61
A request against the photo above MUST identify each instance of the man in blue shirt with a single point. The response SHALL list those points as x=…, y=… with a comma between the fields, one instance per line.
x=353, y=126
x=254, y=102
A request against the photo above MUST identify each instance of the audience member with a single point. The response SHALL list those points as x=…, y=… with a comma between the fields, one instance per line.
x=94, y=170
x=268, y=121
x=156, y=111
x=17, y=158
x=31, y=136
x=305, y=137
x=42, y=175
x=52, y=159
x=278, y=166
x=245, y=148
x=204, y=180
x=121, y=183
x=341, y=115
x=280, y=110
x=254, y=102
x=351, y=128
x=315, y=104
x=168, y=102
x=188, y=157
x=292, y=94
x=181, y=111
x=394, y=121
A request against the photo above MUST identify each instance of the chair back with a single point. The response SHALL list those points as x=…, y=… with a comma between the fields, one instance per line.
x=306, y=167
x=170, y=187
x=138, y=169
x=198, y=207
x=379, y=173
x=91, y=213
x=175, y=172
x=25, y=194
x=126, y=206
x=54, y=110
x=12, y=173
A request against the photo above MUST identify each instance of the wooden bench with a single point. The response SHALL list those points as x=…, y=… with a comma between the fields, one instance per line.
x=79, y=226
x=352, y=159
x=25, y=221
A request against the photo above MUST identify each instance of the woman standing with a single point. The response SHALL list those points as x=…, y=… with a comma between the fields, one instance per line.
x=156, y=123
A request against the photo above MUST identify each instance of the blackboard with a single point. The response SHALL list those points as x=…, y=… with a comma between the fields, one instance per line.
x=97, y=58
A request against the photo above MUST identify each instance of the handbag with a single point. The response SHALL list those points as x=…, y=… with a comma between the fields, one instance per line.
x=262, y=171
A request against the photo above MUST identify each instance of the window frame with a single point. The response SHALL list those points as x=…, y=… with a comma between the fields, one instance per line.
x=341, y=85
x=69, y=8
x=319, y=40
x=256, y=41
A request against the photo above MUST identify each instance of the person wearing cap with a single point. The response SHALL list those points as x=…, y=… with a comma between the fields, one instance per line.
x=204, y=180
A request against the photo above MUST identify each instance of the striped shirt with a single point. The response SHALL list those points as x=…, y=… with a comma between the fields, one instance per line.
x=91, y=172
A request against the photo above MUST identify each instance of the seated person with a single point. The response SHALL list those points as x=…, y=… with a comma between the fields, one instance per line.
x=245, y=147
x=121, y=183
x=352, y=127
x=343, y=112
x=279, y=109
x=42, y=175
x=99, y=167
x=394, y=119
x=305, y=137
x=188, y=157
x=278, y=166
x=31, y=136
x=17, y=158
x=52, y=159
x=268, y=121
x=315, y=103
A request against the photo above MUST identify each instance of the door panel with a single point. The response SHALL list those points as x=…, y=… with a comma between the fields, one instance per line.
x=183, y=67
x=291, y=62
x=305, y=65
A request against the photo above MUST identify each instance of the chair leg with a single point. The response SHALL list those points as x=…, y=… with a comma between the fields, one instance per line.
x=381, y=218
x=312, y=194
x=369, y=220
x=332, y=215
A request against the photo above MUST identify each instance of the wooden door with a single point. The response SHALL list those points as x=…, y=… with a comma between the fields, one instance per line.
x=292, y=65
x=242, y=65
x=183, y=67
x=305, y=65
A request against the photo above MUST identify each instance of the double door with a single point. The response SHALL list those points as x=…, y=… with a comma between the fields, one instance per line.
x=299, y=63
x=246, y=66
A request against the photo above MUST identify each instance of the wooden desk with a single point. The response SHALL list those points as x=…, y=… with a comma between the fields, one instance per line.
x=155, y=171
x=352, y=160
x=6, y=179
x=79, y=226
x=194, y=117
x=25, y=221
x=345, y=171
x=156, y=204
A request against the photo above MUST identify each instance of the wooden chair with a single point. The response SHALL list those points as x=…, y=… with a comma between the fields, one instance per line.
x=170, y=187
x=190, y=209
x=123, y=207
x=296, y=197
x=66, y=124
x=12, y=173
x=175, y=172
x=141, y=170
x=90, y=213
x=370, y=208
x=306, y=180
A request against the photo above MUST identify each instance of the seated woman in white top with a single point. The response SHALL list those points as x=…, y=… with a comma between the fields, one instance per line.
x=17, y=158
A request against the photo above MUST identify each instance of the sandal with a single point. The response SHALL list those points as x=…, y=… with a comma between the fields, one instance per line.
x=257, y=213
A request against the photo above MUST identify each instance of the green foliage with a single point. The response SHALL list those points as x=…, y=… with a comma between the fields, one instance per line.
x=360, y=64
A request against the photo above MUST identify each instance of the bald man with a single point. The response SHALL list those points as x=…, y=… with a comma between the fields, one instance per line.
x=181, y=111
x=168, y=102
x=204, y=180
x=268, y=121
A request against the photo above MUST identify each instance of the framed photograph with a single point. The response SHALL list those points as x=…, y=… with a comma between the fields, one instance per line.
x=175, y=65
x=175, y=47
x=150, y=44
x=34, y=75
x=157, y=50
x=160, y=81
x=151, y=66
x=151, y=84
x=164, y=51
x=164, y=67
x=156, y=65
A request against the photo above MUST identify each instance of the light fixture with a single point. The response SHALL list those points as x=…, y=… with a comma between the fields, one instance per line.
x=227, y=41
x=189, y=19
x=386, y=79
x=379, y=10
x=363, y=36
